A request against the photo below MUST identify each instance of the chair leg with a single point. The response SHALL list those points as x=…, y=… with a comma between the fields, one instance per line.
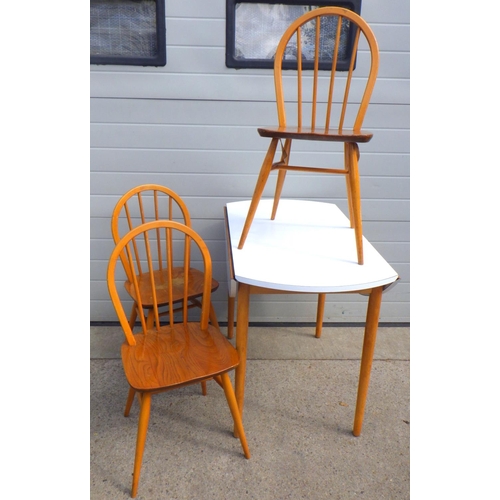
x=235, y=412
x=355, y=197
x=230, y=316
x=259, y=189
x=133, y=316
x=150, y=320
x=141, y=440
x=213, y=322
x=320, y=313
x=213, y=317
x=130, y=400
x=285, y=155
x=348, y=184
x=277, y=194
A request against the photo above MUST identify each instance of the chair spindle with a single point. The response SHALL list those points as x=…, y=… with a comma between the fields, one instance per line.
x=349, y=79
x=316, y=73
x=332, y=74
x=299, y=78
x=152, y=280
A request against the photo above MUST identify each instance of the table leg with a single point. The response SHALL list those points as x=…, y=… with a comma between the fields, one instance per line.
x=319, y=314
x=242, y=314
x=371, y=327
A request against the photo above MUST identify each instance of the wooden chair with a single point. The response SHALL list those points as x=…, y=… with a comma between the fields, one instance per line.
x=165, y=357
x=318, y=37
x=155, y=202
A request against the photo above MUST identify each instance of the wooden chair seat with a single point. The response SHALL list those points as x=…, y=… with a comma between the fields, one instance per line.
x=314, y=134
x=175, y=356
x=195, y=283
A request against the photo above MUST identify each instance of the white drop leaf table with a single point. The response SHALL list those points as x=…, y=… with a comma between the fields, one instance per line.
x=308, y=248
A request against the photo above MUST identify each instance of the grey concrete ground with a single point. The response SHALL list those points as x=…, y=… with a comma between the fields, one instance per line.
x=299, y=409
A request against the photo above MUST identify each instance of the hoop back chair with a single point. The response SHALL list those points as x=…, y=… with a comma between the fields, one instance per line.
x=318, y=36
x=173, y=355
x=155, y=202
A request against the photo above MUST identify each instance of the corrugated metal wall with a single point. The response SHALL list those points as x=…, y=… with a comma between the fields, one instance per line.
x=191, y=125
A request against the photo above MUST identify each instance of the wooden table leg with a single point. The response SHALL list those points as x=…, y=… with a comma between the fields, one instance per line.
x=371, y=327
x=242, y=314
x=319, y=314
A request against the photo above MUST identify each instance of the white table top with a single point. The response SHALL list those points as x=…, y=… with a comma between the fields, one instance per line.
x=309, y=248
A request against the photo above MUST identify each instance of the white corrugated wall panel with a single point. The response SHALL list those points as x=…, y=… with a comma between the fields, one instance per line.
x=191, y=125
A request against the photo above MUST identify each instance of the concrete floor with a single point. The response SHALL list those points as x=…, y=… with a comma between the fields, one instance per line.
x=299, y=410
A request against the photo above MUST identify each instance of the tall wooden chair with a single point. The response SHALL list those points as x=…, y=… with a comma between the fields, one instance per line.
x=319, y=39
x=173, y=355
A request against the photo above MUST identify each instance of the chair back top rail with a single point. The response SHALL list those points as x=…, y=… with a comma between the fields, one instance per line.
x=345, y=18
x=145, y=203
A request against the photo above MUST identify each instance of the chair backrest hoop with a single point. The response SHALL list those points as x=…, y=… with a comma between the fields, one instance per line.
x=123, y=246
x=138, y=190
x=122, y=207
x=294, y=28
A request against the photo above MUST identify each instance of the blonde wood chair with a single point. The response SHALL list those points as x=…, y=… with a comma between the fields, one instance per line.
x=154, y=202
x=173, y=355
x=317, y=37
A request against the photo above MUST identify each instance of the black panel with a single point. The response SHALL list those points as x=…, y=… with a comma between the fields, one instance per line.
x=235, y=56
x=127, y=32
